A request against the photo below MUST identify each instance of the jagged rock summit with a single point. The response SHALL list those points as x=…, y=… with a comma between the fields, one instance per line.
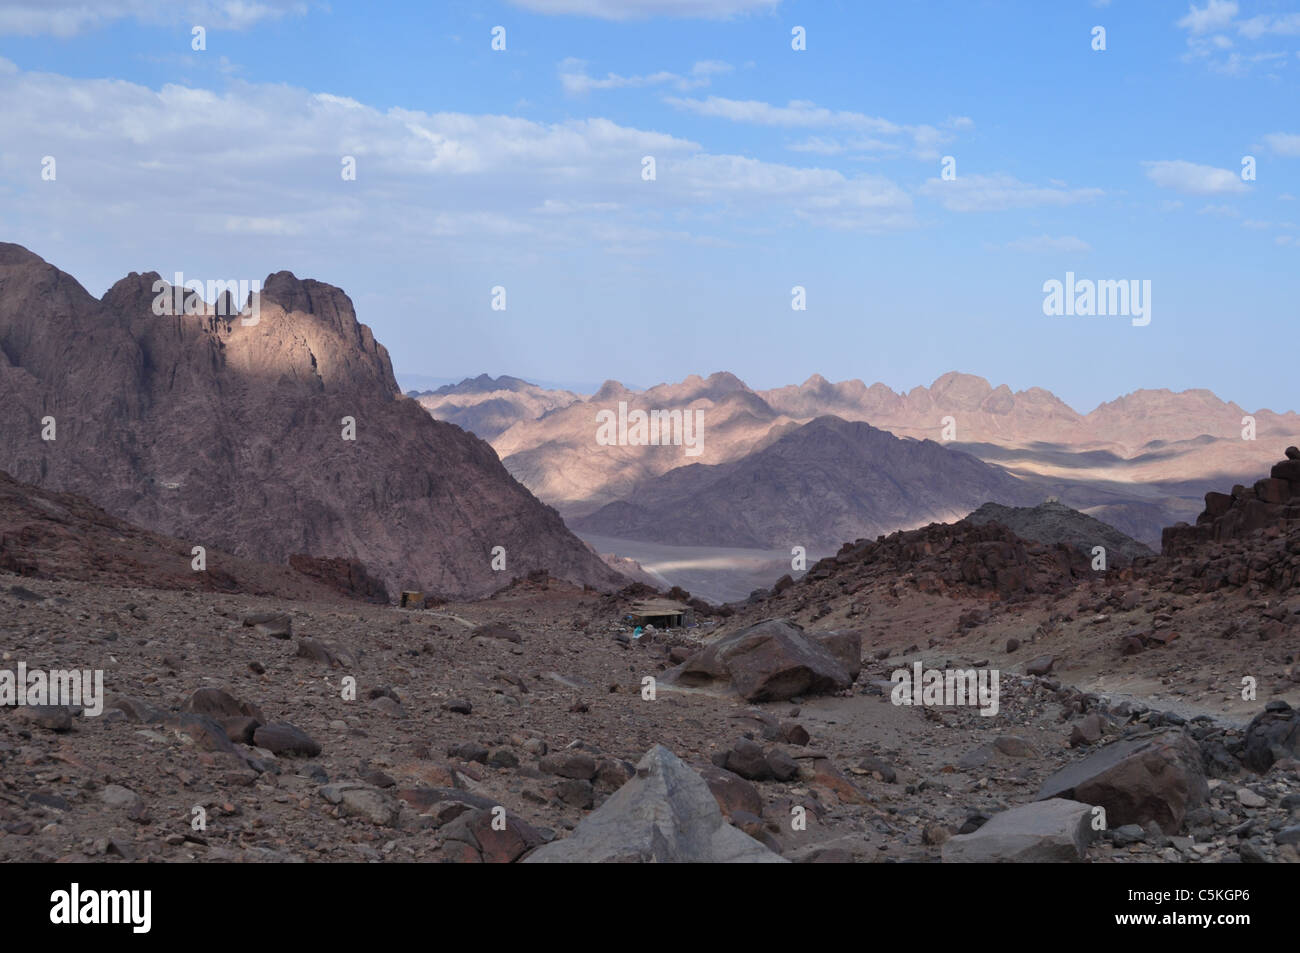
x=231, y=433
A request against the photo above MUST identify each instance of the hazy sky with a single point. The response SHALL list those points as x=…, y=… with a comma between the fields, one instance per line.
x=821, y=168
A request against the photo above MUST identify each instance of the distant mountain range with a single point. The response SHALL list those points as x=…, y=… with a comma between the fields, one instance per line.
x=486, y=406
x=1139, y=463
x=817, y=485
x=1143, y=437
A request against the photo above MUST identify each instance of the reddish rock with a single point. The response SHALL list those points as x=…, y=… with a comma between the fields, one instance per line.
x=1288, y=470
x=282, y=738
x=569, y=764
x=474, y=837
x=241, y=729
x=221, y=705
x=1087, y=731
x=230, y=433
x=824, y=775
x=845, y=647
x=794, y=733
x=1216, y=504
x=1154, y=777
x=733, y=793
x=1273, y=491
x=345, y=576
x=1041, y=665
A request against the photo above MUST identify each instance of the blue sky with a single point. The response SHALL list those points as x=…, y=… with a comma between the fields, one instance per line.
x=821, y=168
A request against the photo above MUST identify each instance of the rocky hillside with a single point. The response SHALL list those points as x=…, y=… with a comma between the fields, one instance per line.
x=815, y=486
x=958, y=559
x=48, y=535
x=531, y=701
x=1247, y=538
x=1054, y=522
x=232, y=435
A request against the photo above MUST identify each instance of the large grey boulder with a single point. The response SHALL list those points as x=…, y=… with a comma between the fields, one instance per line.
x=665, y=814
x=1052, y=831
x=1156, y=776
x=362, y=800
x=774, y=660
x=1273, y=734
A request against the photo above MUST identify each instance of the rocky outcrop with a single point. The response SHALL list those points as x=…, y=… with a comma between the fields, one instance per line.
x=774, y=660
x=1250, y=536
x=1153, y=777
x=1272, y=735
x=1271, y=503
x=665, y=814
x=945, y=558
x=237, y=434
x=1052, y=831
x=1053, y=522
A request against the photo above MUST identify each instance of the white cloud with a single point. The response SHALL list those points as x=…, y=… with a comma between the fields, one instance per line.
x=1206, y=40
x=1284, y=144
x=1223, y=211
x=1215, y=15
x=995, y=193
x=1287, y=24
x=177, y=171
x=1239, y=64
x=641, y=9
x=70, y=17
x=575, y=80
x=800, y=114
x=261, y=225
x=821, y=145
x=797, y=113
x=1049, y=244
x=1194, y=179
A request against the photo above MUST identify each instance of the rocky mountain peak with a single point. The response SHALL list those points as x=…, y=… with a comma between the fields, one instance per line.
x=285, y=436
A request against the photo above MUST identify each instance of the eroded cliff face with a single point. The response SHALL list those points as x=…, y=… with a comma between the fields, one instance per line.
x=231, y=432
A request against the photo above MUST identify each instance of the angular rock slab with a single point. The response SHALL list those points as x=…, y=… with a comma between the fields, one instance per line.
x=1273, y=734
x=1044, y=832
x=665, y=814
x=1156, y=776
x=774, y=660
